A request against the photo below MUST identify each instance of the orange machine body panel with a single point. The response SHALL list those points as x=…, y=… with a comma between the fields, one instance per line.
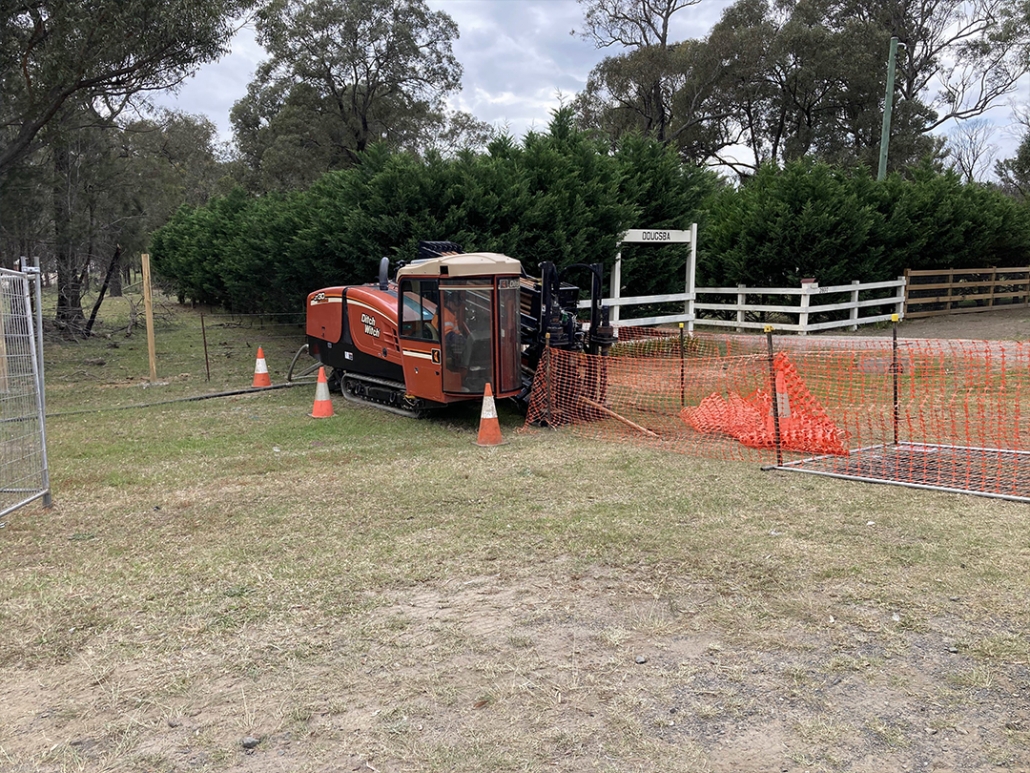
x=355, y=330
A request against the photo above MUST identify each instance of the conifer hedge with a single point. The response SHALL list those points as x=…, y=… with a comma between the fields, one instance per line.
x=565, y=197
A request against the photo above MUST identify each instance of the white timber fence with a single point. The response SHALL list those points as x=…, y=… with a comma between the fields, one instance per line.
x=753, y=308
x=745, y=308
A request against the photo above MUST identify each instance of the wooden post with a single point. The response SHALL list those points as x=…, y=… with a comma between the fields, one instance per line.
x=203, y=335
x=148, y=305
x=894, y=374
x=618, y=417
x=548, y=385
x=683, y=375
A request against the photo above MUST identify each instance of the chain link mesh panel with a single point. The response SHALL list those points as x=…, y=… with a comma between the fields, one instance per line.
x=23, y=468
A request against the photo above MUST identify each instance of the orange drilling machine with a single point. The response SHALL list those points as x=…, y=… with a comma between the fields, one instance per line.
x=448, y=324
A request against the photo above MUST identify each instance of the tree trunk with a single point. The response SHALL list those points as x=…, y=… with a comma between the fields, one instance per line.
x=69, y=314
x=115, y=288
x=112, y=271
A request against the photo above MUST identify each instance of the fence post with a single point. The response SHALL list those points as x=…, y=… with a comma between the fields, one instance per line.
x=683, y=375
x=203, y=335
x=37, y=287
x=894, y=375
x=148, y=307
x=741, y=301
x=548, y=380
x=775, y=395
x=806, y=300
x=616, y=287
x=691, y=277
x=854, y=308
x=902, y=296
x=951, y=284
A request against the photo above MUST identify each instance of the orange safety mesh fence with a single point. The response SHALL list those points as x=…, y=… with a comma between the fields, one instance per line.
x=953, y=415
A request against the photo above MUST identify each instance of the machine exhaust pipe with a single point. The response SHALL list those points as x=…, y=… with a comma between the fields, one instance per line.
x=384, y=274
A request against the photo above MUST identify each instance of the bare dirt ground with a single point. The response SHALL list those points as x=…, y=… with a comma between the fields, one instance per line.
x=554, y=665
x=1012, y=324
x=545, y=671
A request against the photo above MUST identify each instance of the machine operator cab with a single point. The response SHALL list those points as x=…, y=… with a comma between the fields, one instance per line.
x=459, y=324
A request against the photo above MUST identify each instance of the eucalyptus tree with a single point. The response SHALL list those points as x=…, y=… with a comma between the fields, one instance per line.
x=779, y=80
x=1014, y=173
x=342, y=74
x=793, y=85
x=98, y=52
x=164, y=161
x=640, y=84
x=971, y=149
x=959, y=57
x=68, y=70
x=111, y=186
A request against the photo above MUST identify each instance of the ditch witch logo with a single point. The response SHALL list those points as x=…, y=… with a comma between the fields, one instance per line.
x=370, y=325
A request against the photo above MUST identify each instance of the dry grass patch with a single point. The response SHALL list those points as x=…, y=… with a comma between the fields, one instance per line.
x=375, y=591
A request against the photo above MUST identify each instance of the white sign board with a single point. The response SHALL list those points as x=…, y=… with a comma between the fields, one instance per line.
x=658, y=236
x=655, y=236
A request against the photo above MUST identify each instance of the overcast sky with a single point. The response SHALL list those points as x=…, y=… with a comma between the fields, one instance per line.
x=518, y=57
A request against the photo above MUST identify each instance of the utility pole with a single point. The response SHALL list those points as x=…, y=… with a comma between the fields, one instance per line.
x=888, y=104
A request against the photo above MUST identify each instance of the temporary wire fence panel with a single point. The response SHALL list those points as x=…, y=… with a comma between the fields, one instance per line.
x=950, y=415
x=23, y=468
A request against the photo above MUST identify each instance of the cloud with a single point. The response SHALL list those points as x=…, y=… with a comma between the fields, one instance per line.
x=216, y=87
x=518, y=56
x=522, y=58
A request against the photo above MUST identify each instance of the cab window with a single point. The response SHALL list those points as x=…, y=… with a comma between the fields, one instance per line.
x=418, y=306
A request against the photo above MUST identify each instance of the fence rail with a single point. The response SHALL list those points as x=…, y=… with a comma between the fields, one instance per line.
x=812, y=300
x=741, y=302
x=936, y=292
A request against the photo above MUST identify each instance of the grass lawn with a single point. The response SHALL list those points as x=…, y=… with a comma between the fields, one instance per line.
x=370, y=592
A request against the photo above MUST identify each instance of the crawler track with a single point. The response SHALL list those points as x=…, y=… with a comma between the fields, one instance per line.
x=381, y=393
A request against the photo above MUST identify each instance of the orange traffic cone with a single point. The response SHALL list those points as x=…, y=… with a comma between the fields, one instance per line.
x=261, y=377
x=323, y=407
x=489, y=427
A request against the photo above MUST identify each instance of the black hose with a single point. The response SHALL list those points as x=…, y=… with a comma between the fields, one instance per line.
x=193, y=398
